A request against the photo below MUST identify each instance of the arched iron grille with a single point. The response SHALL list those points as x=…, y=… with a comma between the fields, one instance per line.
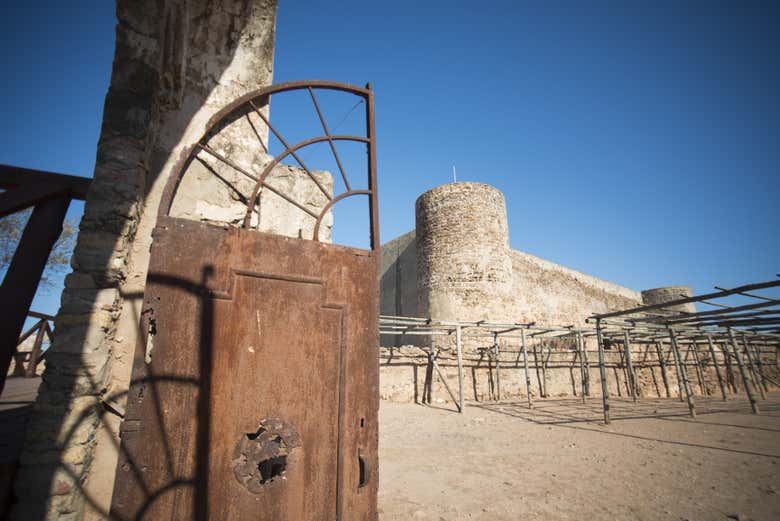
x=252, y=102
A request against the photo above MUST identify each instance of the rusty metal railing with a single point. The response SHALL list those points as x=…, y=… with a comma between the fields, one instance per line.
x=49, y=194
x=26, y=362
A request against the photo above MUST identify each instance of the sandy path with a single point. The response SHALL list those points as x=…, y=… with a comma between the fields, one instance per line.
x=504, y=462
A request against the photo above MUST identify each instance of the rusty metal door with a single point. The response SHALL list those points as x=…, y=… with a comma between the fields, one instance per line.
x=255, y=387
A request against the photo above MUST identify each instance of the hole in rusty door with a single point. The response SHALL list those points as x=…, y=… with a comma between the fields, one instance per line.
x=260, y=457
x=271, y=468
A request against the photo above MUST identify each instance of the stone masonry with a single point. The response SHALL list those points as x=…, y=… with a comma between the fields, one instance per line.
x=463, y=266
x=177, y=62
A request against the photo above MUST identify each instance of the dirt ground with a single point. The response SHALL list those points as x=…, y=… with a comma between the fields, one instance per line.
x=502, y=461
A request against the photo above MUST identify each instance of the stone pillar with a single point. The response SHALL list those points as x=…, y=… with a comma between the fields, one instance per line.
x=176, y=63
x=464, y=269
x=667, y=294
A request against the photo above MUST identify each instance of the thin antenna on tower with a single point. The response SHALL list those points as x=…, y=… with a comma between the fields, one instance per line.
x=454, y=174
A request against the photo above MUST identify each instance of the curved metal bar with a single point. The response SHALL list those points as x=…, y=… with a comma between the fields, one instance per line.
x=330, y=141
x=213, y=153
x=315, y=236
x=187, y=155
x=287, y=147
x=252, y=201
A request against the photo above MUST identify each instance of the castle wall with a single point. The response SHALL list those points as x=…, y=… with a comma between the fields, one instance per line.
x=465, y=270
x=463, y=266
x=549, y=293
x=669, y=293
x=398, y=277
x=541, y=291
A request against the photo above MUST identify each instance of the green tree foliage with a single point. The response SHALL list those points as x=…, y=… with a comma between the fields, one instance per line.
x=11, y=230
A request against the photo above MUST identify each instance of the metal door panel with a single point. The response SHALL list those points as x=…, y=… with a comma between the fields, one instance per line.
x=262, y=327
x=255, y=379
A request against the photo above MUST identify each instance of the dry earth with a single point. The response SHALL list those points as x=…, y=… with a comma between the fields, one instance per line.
x=502, y=461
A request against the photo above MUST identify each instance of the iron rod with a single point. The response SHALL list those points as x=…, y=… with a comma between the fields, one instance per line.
x=460, y=368
x=525, y=368
x=745, y=383
x=734, y=291
x=629, y=366
x=686, y=383
x=753, y=370
x=603, y=372
x=715, y=366
x=497, y=354
x=582, y=365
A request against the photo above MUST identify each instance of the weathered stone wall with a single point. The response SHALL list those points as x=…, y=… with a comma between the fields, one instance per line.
x=398, y=276
x=398, y=281
x=548, y=293
x=463, y=266
x=176, y=63
x=668, y=293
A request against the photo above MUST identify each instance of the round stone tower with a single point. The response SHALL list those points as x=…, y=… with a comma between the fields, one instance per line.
x=464, y=270
x=669, y=293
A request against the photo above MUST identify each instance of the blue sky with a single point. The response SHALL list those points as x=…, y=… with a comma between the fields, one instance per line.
x=634, y=143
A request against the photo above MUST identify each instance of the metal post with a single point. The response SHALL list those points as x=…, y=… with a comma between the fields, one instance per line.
x=748, y=391
x=444, y=380
x=759, y=365
x=730, y=378
x=536, y=370
x=497, y=353
x=460, y=367
x=19, y=369
x=587, y=365
x=643, y=365
x=699, y=370
x=429, y=371
x=525, y=367
x=35, y=354
x=677, y=364
x=686, y=383
x=756, y=378
x=603, y=372
x=25, y=271
x=629, y=366
x=662, y=363
x=580, y=348
x=715, y=365
x=777, y=356
x=544, y=369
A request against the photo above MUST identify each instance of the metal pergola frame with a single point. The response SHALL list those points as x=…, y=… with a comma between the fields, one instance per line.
x=668, y=337
x=756, y=323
